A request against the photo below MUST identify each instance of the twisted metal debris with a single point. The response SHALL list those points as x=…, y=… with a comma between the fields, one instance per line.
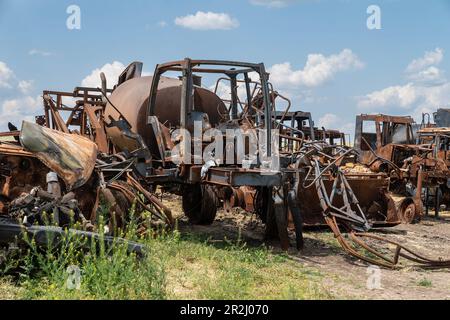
x=350, y=216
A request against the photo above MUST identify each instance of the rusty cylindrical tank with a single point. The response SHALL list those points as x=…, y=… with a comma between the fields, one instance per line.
x=132, y=97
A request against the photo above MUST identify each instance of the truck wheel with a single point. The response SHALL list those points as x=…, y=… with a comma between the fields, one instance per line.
x=200, y=204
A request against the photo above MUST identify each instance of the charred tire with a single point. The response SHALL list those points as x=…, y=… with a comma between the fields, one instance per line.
x=408, y=212
x=200, y=204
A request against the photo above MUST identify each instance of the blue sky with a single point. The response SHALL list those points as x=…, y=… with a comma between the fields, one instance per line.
x=319, y=52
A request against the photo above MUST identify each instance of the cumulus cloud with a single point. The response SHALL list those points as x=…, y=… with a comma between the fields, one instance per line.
x=430, y=75
x=272, y=3
x=16, y=110
x=425, y=70
x=430, y=58
x=426, y=90
x=111, y=71
x=328, y=120
x=318, y=69
x=331, y=121
x=21, y=108
x=6, y=75
x=25, y=86
x=402, y=96
x=207, y=21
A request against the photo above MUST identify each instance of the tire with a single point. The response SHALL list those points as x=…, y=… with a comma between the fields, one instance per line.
x=200, y=204
x=408, y=212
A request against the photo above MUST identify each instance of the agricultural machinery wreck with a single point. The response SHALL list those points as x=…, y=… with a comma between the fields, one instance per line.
x=236, y=144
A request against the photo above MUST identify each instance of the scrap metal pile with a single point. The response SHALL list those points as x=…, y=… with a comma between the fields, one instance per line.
x=97, y=153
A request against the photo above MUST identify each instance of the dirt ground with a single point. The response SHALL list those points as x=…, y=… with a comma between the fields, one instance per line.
x=346, y=277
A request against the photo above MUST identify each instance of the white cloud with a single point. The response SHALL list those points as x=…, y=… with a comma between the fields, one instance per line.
x=207, y=21
x=331, y=121
x=430, y=58
x=17, y=110
x=328, y=120
x=431, y=75
x=37, y=52
x=111, y=71
x=272, y=3
x=25, y=86
x=402, y=96
x=5, y=75
x=413, y=97
x=318, y=69
x=424, y=70
x=426, y=91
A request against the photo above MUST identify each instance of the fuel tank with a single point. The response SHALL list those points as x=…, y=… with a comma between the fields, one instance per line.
x=131, y=99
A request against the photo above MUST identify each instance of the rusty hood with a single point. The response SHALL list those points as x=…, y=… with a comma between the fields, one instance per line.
x=71, y=156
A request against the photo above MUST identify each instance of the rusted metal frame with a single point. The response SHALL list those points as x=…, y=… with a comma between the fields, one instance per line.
x=205, y=70
x=186, y=66
x=195, y=63
x=234, y=97
x=76, y=93
x=387, y=118
x=10, y=134
x=247, y=90
x=331, y=221
x=161, y=207
x=57, y=120
x=186, y=103
x=334, y=189
x=378, y=157
x=379, y=142
x=358, y=132
x=291, y=142
x=285, y=111
x=319, y=174
x=267, y=108
x=131, y=195
x=98, y=126
x=385, y=261
x=348, y=215
x=280, y=214
x=226, y=63
x=413, y=256
x=248, y=93
x=236, y=177
x=86, y=90
x=13, y=150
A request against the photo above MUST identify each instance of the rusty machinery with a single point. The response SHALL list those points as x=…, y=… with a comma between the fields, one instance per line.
x=438, y=141
x=390, y=144
x=273, y=197
x=132, y=125
x=387, y=144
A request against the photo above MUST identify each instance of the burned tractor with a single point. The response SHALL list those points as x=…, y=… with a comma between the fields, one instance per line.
x=438, y=141
x=388, y=144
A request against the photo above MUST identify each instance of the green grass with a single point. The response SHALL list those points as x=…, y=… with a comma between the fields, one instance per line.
x=425, y=283
x=200, y=269
x=176, y=267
